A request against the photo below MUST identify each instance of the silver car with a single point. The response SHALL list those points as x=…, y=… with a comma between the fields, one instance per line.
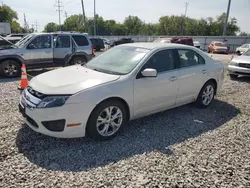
x=42, y=50
x=240, y=65
x=124, y=83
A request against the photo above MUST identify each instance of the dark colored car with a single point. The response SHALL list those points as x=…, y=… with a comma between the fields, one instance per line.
x=122, y=41
x=178, y=40
x=98, y=43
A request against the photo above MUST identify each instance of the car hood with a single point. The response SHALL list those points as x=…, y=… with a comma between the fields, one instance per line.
x=69, y=80
x=242, y=59
x=8, y=50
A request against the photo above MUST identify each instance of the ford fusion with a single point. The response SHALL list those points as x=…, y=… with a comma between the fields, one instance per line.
x=124, y=83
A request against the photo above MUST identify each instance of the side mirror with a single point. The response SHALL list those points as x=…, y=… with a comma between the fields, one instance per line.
x=149, y=72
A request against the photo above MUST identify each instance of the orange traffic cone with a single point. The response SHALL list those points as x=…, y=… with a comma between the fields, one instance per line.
x=24, y=78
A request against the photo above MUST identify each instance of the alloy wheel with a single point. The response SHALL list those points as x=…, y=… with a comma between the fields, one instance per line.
x=109, y=121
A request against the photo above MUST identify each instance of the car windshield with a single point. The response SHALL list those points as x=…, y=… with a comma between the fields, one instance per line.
x=24, y=40
x=119, y=60
x=247, y=53
x=220, y=44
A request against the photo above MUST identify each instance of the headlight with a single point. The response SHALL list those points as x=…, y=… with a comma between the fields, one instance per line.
x=52, y=101
x=234, y=63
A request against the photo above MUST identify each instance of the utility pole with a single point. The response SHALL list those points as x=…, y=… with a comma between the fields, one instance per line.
x=226, y=20
x=26, y=26
x=83, y=14
x=184, y=18
x=59, y=9
x=94, y=21
x=66, y=17
x=36, y=25
x=2, y=3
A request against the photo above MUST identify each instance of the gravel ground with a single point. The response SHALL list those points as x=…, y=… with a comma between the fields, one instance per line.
x=183, y=147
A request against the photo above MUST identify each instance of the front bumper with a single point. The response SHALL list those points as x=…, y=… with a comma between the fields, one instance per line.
x=67, y=121
x=232, y=69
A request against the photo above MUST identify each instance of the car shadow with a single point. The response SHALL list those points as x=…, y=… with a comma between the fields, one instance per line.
x=245, y=79
x=155, y=132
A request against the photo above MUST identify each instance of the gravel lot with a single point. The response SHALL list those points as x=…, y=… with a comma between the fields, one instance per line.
x=183, y=147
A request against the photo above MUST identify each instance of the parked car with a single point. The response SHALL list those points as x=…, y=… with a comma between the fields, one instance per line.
x=242, y=49
x=218, y=47
x=46, y=50
x=240, y=65
x=177, y=40
x=126, y=82
x=197, y=44
x=122, y=41
x=98, y=43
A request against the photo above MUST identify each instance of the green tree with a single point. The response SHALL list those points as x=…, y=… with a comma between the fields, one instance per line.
x=7, y=14
x=244, y=34
x=10, y=16
x=134, y=24
x=51, y=27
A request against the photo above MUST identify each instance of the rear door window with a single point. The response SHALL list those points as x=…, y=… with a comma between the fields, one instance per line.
x=63, y=42
x=189, y=58
x=80, y=40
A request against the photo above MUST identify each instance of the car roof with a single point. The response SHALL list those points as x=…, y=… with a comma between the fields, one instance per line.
x=152, y=45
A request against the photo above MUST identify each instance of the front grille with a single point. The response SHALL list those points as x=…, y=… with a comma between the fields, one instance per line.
x=36, y=93
x=244, y=65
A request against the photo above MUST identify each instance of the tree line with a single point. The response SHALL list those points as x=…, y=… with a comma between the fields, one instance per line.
x=132, y=25
x=168, y=25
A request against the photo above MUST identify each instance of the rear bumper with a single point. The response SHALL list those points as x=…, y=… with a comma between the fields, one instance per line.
x=238, y=70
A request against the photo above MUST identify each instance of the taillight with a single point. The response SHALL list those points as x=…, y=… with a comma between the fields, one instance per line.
x=92, y=48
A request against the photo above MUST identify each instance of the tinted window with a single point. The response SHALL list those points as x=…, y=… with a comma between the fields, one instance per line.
x=40, y=42
x=161, y=61
x=189, y=58
x=63, y=42
x=80, y=40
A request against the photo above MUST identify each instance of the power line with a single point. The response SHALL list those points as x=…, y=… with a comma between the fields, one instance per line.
x=226, y=20
x=59, y=9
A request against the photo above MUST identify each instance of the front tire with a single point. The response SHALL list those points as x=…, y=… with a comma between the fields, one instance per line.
x=10, y=68
x=78, y=61
x=106, y=120
x=206, y=95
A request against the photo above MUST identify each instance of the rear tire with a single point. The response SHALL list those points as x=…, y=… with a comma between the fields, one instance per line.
x=206, y=95
x=233, y=76
x=80, y=60
x=106, y=120
x=10, y=68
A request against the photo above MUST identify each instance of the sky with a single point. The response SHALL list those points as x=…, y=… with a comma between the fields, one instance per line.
x=44, y=11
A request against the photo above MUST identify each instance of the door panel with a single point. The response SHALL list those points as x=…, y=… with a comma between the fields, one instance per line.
x=153, y=94
x=62, y=50
x=39, y=52
x=192, y=76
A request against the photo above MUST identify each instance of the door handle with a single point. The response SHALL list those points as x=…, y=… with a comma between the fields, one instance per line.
x=204, y=71
x=173, y=78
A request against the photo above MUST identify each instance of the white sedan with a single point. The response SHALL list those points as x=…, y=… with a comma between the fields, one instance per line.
x=127, y=82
